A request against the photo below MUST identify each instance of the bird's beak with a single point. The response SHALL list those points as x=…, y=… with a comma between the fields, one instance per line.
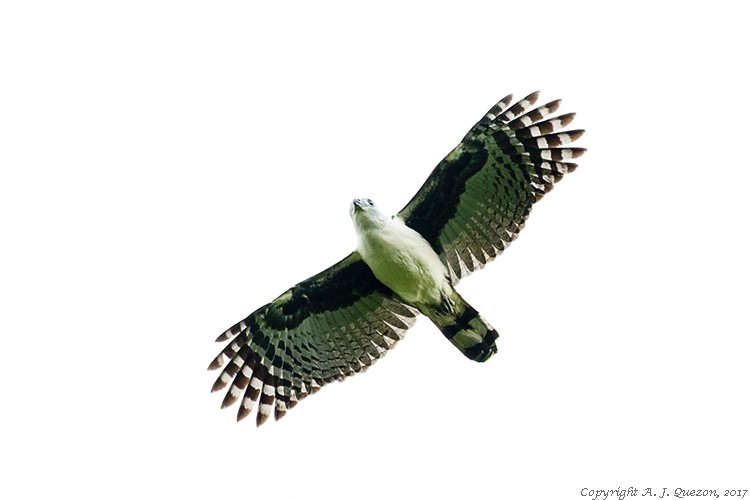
x=356, y=205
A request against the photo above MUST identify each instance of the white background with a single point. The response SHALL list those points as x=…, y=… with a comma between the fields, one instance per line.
x=167, y=167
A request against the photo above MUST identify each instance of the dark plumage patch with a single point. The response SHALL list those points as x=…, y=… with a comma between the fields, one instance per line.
x=323, y=292
x=448, y=181
x=462, y=322
x=477, y=199
x=481, y=351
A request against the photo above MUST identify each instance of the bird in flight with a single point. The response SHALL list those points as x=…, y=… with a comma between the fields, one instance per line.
x=340, y=321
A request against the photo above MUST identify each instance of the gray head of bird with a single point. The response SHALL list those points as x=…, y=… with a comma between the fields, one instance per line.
x=364, y=213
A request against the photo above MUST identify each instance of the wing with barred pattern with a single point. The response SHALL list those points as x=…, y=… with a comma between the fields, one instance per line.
x=478, y=197
x=325, y=328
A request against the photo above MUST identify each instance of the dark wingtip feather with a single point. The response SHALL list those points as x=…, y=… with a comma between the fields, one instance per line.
x=519, y=108
x=278, y=413
x=261, y=419
x=218, y=385
x=242, y=413
x=228, y=400
x=497, y=110
x=505, y=100
x=532, y=98
x=552, y=106
x=217, y=362
x=566, y=119
x=575, y=134
x=228, y=334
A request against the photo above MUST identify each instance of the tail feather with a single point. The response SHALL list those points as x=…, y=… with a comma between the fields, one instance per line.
x=464, y=327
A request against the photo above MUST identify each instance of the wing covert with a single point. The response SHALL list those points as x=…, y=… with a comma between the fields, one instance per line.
x=325, y=328
x=478, y=197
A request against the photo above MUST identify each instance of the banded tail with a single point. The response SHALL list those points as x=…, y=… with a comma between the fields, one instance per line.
x=464, y=327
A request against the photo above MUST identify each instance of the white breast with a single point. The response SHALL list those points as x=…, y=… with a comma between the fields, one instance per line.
x=403, y=261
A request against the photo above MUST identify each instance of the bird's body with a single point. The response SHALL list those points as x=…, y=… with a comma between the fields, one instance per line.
x=340, y=321
x=399, y=257
x=404, y=261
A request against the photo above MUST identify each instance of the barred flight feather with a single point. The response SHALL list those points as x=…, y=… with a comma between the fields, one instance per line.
x=509, y=160
x=306, y=339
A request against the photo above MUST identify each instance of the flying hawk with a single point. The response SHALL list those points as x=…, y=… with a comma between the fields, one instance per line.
x=341, y=320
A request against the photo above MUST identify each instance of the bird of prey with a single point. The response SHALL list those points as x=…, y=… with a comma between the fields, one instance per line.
x=343, y=319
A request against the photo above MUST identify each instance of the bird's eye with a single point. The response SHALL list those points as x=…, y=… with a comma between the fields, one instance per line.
x=369, y=201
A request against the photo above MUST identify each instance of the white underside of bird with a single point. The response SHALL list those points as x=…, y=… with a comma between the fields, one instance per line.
x=401, y=259
x=399, y=256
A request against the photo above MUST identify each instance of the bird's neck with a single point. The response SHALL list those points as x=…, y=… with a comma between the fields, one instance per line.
x=365, y=222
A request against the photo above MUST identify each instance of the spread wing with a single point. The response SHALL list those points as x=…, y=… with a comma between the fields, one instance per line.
x=325, y=328
x=477, y=199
